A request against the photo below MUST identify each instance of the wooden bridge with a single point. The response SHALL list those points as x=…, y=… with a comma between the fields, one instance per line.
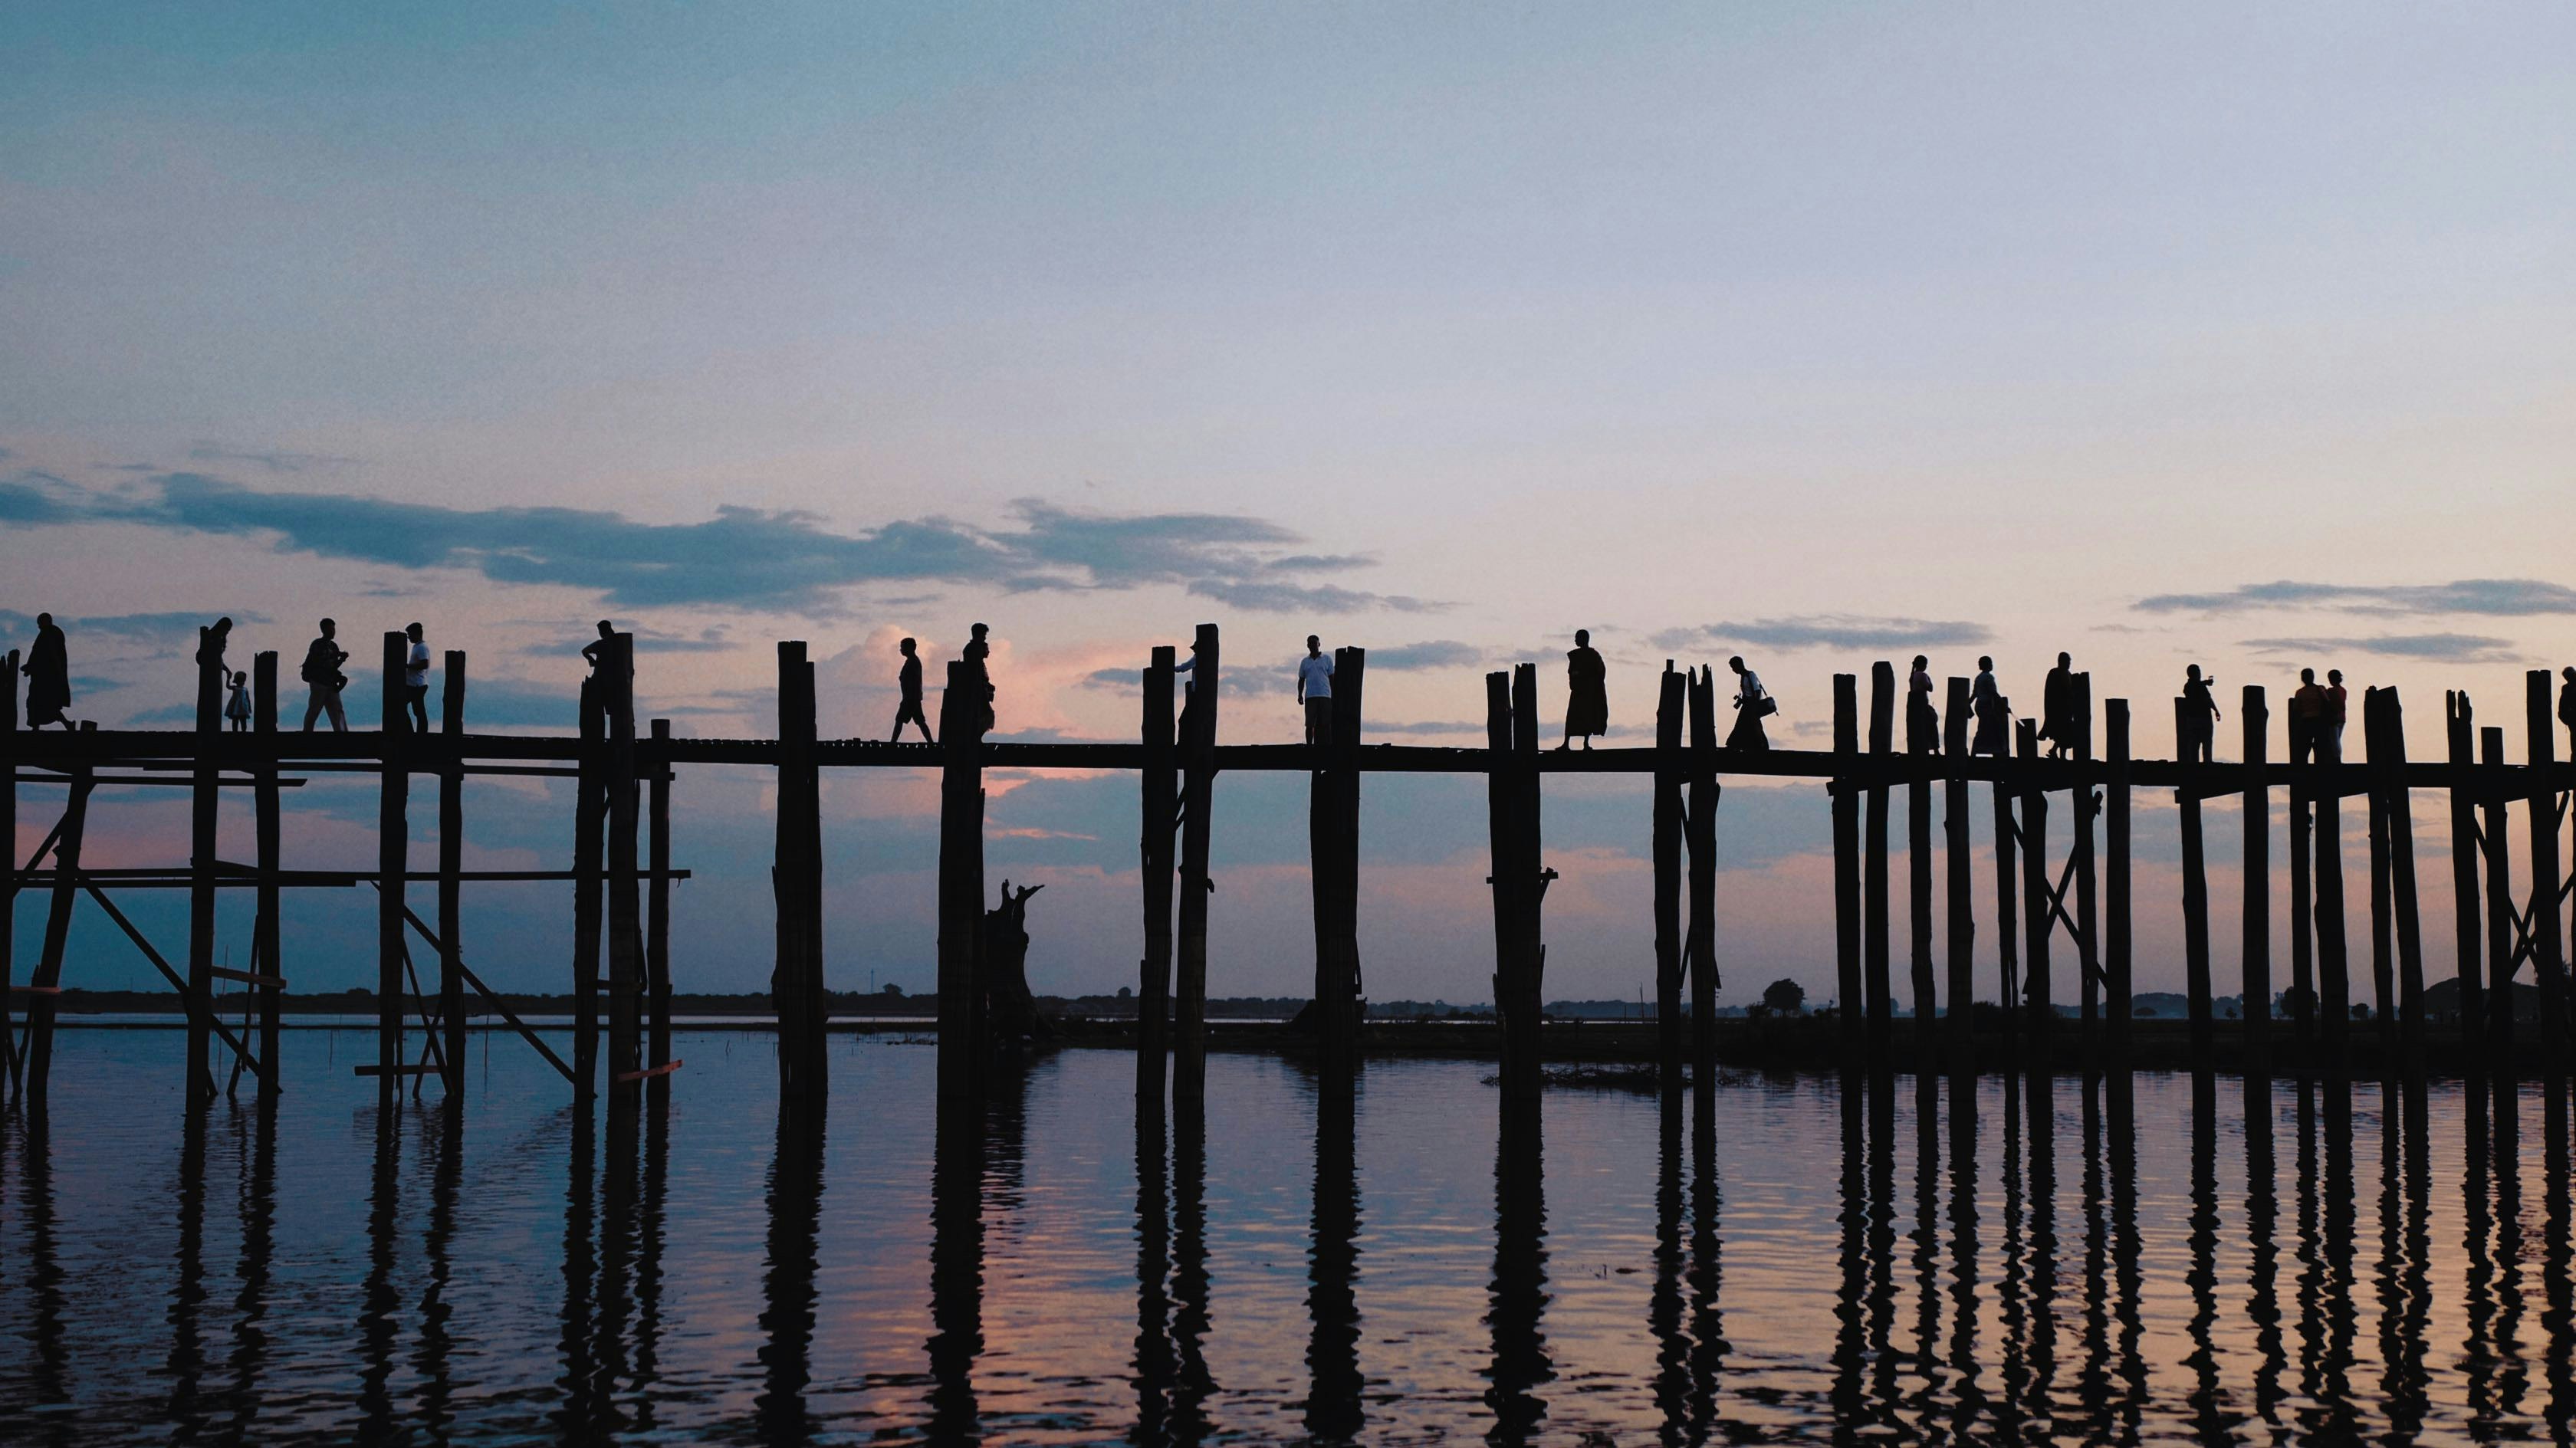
x=621, y=872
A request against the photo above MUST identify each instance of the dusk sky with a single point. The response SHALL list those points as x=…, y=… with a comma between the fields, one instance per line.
x=2243, y=336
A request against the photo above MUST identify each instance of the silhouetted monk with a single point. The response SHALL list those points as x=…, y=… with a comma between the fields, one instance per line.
x=1587, y=691
x=1751, y=703
x=2334, y=711
x=211, y=645
x=909, y=710
x=977, y=656
x=2057, y=723
x=2200, y=718
x=1314, y=692
x=416, y=679
x=2307, y=718
x=322, y=660
x=237, y=708
x=1922, y=721
x=49, y=676
x=1993, y=712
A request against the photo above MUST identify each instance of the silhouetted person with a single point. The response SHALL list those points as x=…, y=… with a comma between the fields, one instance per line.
x=1993, y=712
x=595, y=652
x=416, y=679
x=49, y=676
x=211, y=645
x=909, y=710
x=2335, y=709
x=1187, y=672
x=1922, y=721
x=2307, y=718
x=2200, y=718
x=1751, y=703
x=977, y=656
x=322, y=660
x=1314, y=692
x=1587, y=691
x=2567, y=706
x=237, y=708
x=2057, y=722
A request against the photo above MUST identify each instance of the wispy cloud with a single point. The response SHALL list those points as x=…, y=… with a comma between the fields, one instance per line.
x=147, y=628
x=1432, y=654
x=2446, y=647
x=2497, y=597
x=1831, y=631
x=742, y=557
x=274, y=460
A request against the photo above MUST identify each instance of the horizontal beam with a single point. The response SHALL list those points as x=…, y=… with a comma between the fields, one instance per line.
x=423, y=1069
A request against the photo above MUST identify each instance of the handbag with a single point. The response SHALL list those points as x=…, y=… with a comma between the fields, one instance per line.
x=1765, y=707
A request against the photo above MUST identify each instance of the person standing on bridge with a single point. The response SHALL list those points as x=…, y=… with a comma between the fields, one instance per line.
x=1314, y=692
x=237, y=708
x=322, y=660
x=909, y=681
x=977, y=656
x=2307, y=717
x=2567, y=707
x=1922, y=721
x=2199, y=741
x=1587, y=693
x=2057, y=722
x=49, y=676
x=1751, y=703
x=1993, y=712
x=416, y=679
x=2335, y=712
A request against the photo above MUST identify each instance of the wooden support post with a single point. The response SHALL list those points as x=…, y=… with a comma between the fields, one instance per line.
x=2088, y=905
x=1333, y=829
x=1874, y=906
x=1958, y=863
x=48, y=978
x=625, y=911
x=1198, y=789
x=2547, y=943
x=589, y=826
x=393, y=862
x=2255, y=719
x=1519, y=882
x=2383, y=909
x=1918, y=888
x=1669, y=709
x=2334, y=978
x=203, y=847
x=1699, y=832
x=2500, y=910
x=2007, y=918
x=2410, y=919
x=657, y=915
x=796, y=986
x=961, y=884
x=2469, y=972
x=1852, y=1001
x=2303, y=924
x=1161, y=796
x=266, y=930
x=2037, y=922
x=9, y=842
x=451, y=867
x=2116, y=938
x=2195, y=893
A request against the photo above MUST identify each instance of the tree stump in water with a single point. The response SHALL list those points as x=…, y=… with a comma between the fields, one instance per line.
x=1011, y=1009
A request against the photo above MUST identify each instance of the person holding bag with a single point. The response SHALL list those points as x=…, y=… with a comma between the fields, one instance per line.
x=1752, y=703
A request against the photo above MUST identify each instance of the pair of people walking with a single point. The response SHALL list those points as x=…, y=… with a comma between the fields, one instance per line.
x=977, y=656
x=1587, y=701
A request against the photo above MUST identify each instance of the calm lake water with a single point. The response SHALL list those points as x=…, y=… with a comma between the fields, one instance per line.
x=1779, y=1262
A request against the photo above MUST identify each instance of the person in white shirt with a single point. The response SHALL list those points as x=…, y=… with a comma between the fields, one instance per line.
x=1315, y=691
x=416, y=680
x=1751, y=703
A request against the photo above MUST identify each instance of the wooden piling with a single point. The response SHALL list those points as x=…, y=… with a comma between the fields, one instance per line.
x=657, y=915
x=2255, y=719
x=796, y=984
x=1918, y=890
x=1959, y=864
x=2548, y=960
x=393, y=862
x=1333, y=831
x=1512, y=823
x=2467, y=950
x=2501, y=913
x=589, y=830
x=9, y=697
x=625, y=913
x=451, y=866
x=2383, y=908
x=1198, y=791
x=203, y=848
x=2037, y=921
x=2116, y=939
x=2195, y=893
x=2303, y=931
x=48, y=978
x=2007, y=918
x=1874, y=905
x=2080, y=853
x=1851, y=1004
x=1700, y=832
x=2334, y=978
x=1160, y=797
x=1667, y=842
x=2410, y=920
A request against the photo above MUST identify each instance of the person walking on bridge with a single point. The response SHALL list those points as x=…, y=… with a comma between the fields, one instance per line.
x=49, y=676
x=2199, y=741
x=1752, y=702
x=322, y=660
x=1993, y=712
x=1314, y=692
x=1922, y=721
x=416, y=678
x=1587, y=693
x=2057, y=722
x=909, y=681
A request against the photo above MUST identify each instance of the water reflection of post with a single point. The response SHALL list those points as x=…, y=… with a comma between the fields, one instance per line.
x=437, y=1342
x=573, y=1413
x=258, y=1202
x=648, y=1266
x=2404, y=1240
x=1193, y=1385
x=2511, y=1376
x=2262, y=1272
x=51, y=1376
x=1664, y=1306
x=1926, y=1236
x=2093, y=1380
x=2043, y=1243
x=2478, y=1284
x=2334, y=1390
x=1518, y=1295
x=1333, y=1413
x=1882, y=1247
x=787, y=1287
x=2015, y=1371
x=376, y=1316
x=1967, y=1402
x=616, y=1250
x=2554, y=1272
x=2125, y=1274
x=2202, y=1278
x=188, y=1289
x=1153, y=1360
x=1852, y=1218
x=1707, y=1270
